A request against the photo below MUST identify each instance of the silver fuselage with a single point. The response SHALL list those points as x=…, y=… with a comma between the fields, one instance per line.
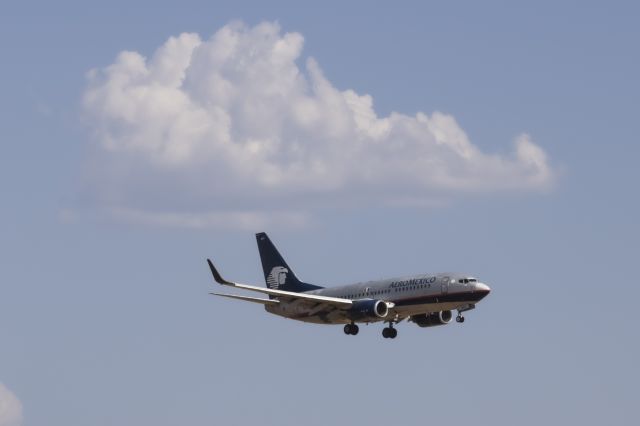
x=405, y=296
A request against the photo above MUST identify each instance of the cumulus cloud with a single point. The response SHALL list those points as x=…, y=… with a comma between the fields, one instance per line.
x=206, y=130
x=10, y=408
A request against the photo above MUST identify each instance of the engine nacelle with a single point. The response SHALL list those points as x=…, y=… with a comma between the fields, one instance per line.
x=433, y=319
x=368, y=309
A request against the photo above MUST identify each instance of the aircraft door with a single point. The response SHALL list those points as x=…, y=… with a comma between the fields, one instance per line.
x=445, y=285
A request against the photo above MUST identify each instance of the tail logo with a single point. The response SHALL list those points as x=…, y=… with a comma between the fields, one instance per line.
x=277, y=277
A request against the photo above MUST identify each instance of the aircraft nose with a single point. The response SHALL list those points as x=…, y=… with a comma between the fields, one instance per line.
x=483, y=288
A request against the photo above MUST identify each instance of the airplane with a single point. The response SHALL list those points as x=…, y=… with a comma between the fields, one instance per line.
x=426, y=299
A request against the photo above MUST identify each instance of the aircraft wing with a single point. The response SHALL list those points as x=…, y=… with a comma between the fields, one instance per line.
x=334, y=301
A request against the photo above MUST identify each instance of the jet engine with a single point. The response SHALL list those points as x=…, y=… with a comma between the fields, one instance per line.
x=433, y=319
x=368, y=309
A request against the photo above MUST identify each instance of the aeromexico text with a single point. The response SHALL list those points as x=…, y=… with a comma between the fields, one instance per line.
x=416, y=281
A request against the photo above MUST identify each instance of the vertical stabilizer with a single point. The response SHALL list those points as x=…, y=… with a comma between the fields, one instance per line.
x=277, y=274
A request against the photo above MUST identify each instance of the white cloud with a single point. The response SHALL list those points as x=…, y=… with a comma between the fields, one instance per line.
x=247, y=220
x=207, y=128
x=10, y=408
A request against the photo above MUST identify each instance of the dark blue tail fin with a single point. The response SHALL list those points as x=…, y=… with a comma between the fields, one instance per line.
x=277, y=273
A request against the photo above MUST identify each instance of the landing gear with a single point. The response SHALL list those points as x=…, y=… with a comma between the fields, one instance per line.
x=389, y=332
x=464, y=308
x=351, y=329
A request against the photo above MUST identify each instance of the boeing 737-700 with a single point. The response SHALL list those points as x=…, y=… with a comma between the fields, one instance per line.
x=426, y=299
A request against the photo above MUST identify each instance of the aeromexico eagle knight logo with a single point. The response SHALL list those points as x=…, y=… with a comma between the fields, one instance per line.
x=277, y=277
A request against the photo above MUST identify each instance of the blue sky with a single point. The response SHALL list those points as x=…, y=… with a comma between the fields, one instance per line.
x=105, y=317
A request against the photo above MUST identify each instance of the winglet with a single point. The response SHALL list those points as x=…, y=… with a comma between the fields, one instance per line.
x=216, y=274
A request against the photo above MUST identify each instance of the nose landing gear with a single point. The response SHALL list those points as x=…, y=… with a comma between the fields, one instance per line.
x=389, y=332
x=462, y=309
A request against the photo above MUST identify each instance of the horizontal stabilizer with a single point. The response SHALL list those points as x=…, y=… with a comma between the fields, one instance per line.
x=248, y=299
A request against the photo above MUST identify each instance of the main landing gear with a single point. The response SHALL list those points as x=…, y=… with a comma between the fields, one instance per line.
x=351, y=329
x=389, y=332
x=459, y=318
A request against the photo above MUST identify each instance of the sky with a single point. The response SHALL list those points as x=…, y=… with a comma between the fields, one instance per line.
x=370, y=140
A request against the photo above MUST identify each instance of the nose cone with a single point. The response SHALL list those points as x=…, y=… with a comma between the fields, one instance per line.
x=483, y=287
x=482, y=290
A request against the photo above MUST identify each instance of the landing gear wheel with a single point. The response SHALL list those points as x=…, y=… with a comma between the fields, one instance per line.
x=389, y=333
x=352, y=329
x=459, y=318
